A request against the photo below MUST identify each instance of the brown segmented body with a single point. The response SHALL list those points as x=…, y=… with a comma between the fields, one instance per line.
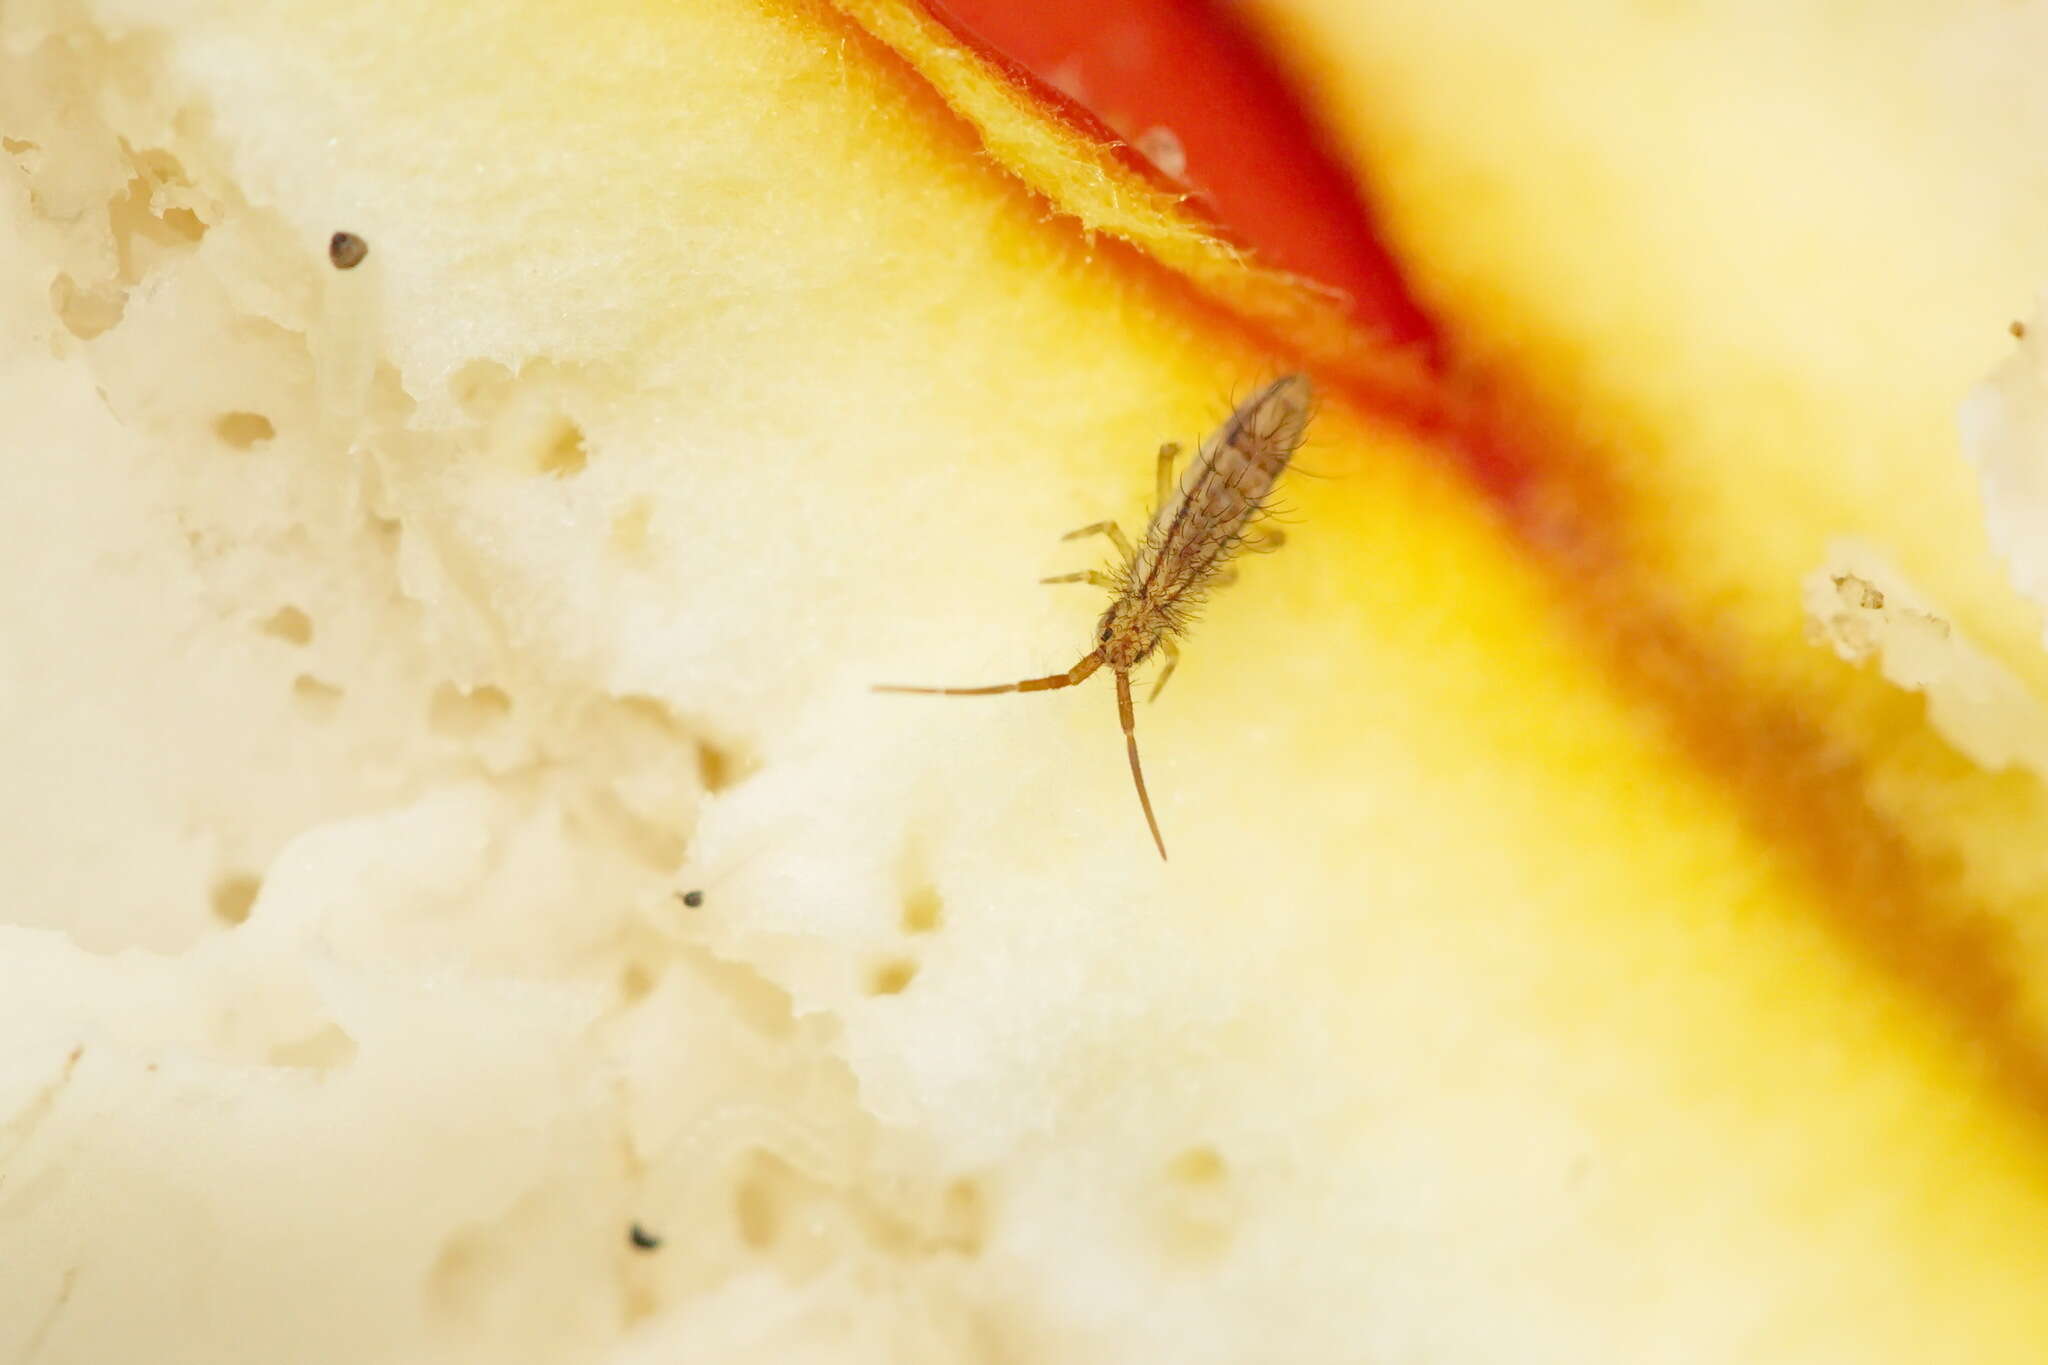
x=1225, y=486
x=1200, y=524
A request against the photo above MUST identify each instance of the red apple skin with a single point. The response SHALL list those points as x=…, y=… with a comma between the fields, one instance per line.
x=1255, y=157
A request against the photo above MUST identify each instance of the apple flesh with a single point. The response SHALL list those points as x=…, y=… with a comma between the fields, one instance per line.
x=402, y=641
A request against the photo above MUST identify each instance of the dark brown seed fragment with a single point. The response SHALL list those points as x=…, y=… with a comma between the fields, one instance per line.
x=346, y=250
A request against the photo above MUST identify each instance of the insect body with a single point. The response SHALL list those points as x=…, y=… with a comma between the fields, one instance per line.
x=1198, y=526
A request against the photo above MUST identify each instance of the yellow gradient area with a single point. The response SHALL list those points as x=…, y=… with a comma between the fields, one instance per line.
x=1473, y=1018
x=1748, y=259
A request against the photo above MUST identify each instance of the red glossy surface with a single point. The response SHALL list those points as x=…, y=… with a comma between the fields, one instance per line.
x=1253, y=155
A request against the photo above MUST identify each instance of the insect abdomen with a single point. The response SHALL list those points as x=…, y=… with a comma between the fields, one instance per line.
x=1224, y=486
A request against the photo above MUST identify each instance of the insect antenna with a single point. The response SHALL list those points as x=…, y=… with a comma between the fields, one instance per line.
x=1077, y=673
x=1123, y=710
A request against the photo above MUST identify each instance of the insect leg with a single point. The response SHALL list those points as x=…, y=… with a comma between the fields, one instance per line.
x=1172, y=653
x=1123, y=710
x=1067, y=679
x=1265, y=542
x=1095, y=576
x=1104, y=528
x=1163, y=489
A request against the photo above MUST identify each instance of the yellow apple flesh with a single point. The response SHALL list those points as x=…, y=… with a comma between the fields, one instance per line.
x=396, y=643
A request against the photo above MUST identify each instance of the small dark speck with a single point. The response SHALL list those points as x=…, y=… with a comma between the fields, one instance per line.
x=2018, y=329
x=642, y=1239
x=346, y=250
x=693, y=899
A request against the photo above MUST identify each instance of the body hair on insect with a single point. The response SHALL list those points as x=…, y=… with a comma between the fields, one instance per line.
x=1200, y=522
